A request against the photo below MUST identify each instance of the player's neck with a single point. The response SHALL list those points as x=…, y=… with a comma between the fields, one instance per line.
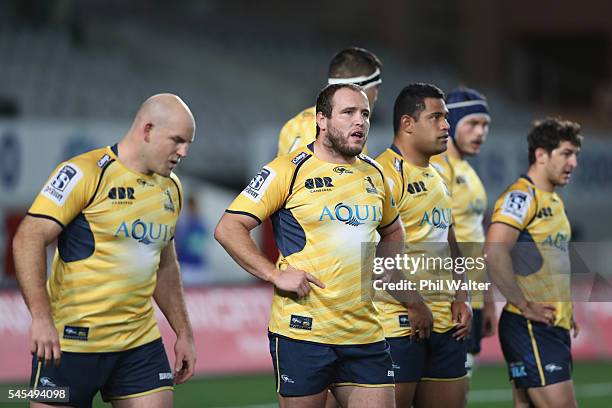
x=452, y=151
x=410, y=154
x=130, y=158
x=329, y=154
x=540, y=180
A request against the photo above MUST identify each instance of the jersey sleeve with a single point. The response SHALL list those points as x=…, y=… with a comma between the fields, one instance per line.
x=179, y=188
x=66, y=193
x=390, y=213
x=266, y=193
x=515, y=207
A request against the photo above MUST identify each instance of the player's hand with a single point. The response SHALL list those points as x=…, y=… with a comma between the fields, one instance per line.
x=489, y=319
x=575, y=327
x=462, y=315
x=539, y=312
x=296, y=281
x=184, y=366
x=421, y=320
x=45, y=341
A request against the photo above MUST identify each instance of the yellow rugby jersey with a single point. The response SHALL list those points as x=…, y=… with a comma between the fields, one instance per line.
x=115, y=224
x=469, y=203
x=424, y=204
x=321, y=213
x=541, y=256
x=299, y=131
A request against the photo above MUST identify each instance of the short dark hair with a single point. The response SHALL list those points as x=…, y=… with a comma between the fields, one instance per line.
x=549, y=133
x=326, y=96
x=353, y=61
x=411, y=101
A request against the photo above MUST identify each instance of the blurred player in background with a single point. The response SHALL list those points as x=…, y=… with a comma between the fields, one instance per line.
x=353, y=65
x=429, y=372
x=468, y=116
x=113, y=211
x=528, y=259
x=324, y=199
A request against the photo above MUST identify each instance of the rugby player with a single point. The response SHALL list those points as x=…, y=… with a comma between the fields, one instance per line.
x=324, y=199
x=468, y=116
x=352, y=65
x=113, y=211
x=527, y=248
x=429, y=372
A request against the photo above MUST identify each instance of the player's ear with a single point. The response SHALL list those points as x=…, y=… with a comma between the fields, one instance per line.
x=541, y=155
x=148, y=127
x=321, y=121
x=407, y=123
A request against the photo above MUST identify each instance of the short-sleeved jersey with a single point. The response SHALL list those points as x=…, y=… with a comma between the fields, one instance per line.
x=115, y=223
x=299, y=131
x=321, y=214
x=424, y=204
x=469, y=203
x=541, y=256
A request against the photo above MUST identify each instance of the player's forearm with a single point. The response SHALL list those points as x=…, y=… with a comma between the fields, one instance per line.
x=460, y=295
x=501, y=272
x=237, y=241
x=171, y=299
x=29, y=253
x=391, y=245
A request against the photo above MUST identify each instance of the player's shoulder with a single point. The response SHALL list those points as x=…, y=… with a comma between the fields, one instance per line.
x=441, y=162
x=90, y=163
x=522, y=185
x=306, y=115
x=374, y=163
x=290, y=162
x=390, y=160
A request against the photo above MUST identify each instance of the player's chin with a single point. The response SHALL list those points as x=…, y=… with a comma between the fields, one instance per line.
x=354, y=149
x=564, y=180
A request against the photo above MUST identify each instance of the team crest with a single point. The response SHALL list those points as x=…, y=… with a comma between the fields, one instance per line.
x=168, y=203
x=369, y=185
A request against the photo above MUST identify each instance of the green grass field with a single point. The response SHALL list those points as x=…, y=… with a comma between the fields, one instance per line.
x=490, y=389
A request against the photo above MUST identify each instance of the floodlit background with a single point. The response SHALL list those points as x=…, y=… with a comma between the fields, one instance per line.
x=73, y=74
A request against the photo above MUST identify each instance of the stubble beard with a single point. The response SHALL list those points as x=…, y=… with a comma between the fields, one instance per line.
x=340, y=144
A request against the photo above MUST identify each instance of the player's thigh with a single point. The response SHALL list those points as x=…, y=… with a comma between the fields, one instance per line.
x=441, y=394
x=140, y=372
x=162, y=399
x=34, y=404
x=308, y=401
x=365, y=397
x=559, y=395
x=331, y=402
x=404, y=394
x=520, y=398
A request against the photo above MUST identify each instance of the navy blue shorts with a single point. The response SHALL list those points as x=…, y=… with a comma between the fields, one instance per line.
x=117, y=375
x=537, y=355
x=306, y=368
x=475, y=336
x=440, y=357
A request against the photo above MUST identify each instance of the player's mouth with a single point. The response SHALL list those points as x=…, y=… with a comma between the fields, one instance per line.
x=358, y=134
x=174, y=163
x=443, y=138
